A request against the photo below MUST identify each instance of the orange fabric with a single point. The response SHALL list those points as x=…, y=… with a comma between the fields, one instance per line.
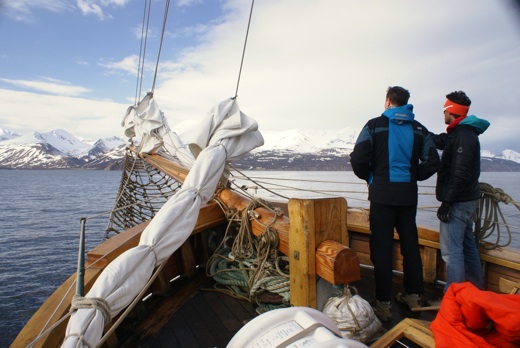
x=465, y=316
x=456, y=109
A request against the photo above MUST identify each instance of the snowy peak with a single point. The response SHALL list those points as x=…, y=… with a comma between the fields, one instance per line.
x=58, y=149
x=309, y=141
x=64, y=142
x=510, y=155
x=7, y=135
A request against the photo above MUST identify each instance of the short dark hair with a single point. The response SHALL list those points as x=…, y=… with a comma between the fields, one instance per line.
x=459, y=97
x=398, y=95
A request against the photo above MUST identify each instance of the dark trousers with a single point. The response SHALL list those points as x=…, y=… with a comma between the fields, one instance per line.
x=383, y=219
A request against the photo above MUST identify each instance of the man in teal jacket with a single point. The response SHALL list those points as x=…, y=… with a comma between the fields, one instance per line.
x=458, y=190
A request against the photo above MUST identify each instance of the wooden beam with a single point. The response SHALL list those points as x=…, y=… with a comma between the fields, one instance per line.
x=302, y=246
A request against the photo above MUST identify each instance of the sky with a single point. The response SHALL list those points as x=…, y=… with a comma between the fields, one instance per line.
x=306, y=64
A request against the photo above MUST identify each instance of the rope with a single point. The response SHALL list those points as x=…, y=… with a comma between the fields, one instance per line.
x=250, y=268
x=489, y=213
x=142, y=48
x=142, y=51
x=167, y=6
x=97, y=303
x=244, y=49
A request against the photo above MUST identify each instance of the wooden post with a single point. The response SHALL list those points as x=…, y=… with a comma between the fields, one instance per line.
x=312, y=221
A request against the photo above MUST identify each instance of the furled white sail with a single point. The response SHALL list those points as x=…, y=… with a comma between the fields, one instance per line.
x=226, y=135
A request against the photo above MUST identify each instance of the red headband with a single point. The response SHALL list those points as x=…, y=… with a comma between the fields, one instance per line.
x=456, y=109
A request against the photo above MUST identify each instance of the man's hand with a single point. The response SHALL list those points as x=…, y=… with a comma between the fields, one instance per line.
x=444, y=212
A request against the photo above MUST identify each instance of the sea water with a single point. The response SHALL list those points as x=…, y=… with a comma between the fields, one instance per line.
x=41, y=212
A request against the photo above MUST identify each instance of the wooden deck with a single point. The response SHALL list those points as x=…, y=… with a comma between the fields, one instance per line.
x=191, y=315
x=208, y=319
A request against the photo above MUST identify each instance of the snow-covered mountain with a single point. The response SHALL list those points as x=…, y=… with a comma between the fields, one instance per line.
x=58, y=149
x=294, y=149
x=310, y=141
x=6, y=135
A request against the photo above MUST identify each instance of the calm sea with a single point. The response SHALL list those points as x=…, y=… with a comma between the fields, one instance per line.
x=41, y=211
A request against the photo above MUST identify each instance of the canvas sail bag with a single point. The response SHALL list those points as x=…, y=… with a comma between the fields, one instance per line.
x=353, y=315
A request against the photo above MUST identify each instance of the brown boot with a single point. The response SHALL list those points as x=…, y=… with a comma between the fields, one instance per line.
x=382, y=310
x=412, y=300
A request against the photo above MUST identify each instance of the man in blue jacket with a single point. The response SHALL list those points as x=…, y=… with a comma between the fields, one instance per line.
x=458, y=190
x=393, y=152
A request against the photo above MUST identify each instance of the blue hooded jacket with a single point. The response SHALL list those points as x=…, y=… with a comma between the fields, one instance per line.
x=392, y=152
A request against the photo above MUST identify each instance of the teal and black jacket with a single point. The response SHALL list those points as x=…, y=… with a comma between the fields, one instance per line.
x=458, y=176
x=392, y=153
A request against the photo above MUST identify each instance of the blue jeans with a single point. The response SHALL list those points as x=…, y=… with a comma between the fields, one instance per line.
x=458, y=248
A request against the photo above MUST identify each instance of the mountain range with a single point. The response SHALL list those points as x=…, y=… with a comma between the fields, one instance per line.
x=293, y=149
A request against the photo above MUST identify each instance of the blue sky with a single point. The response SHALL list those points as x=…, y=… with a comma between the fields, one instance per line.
x=310, y=64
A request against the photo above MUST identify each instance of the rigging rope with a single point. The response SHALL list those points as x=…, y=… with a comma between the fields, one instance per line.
x=142, y=51
x=244, y=49
x=166, y=8
x=142, y=48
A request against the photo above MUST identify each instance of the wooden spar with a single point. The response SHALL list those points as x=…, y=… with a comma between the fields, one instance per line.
x=330, y=258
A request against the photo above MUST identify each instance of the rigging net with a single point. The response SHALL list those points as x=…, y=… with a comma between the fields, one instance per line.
x=143, y=190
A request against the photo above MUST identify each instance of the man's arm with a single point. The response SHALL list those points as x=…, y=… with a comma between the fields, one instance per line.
x=361, y=155
x=430, y=162
x=439, y=140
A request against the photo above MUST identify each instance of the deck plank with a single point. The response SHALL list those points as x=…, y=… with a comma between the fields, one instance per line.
x=221, y=336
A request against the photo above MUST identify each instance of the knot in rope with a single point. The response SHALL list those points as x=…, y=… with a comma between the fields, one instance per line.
x=79, y=302
x=497, y=193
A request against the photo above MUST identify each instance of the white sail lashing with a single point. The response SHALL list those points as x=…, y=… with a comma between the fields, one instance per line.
x=225, y=135
x=146, y=123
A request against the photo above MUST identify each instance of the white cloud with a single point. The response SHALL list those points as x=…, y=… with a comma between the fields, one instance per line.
x=23, y=10
x=127, y=65
x=50, y=86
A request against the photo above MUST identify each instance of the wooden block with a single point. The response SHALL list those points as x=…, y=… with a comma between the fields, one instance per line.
x=337, y=263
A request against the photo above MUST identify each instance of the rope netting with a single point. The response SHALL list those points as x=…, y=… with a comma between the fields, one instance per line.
x=142, y=192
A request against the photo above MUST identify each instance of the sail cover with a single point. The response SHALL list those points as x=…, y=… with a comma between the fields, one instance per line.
x=226, y=135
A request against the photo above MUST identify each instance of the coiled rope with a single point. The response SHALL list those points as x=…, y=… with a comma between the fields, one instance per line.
x=250, y=268
x=489, y=213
